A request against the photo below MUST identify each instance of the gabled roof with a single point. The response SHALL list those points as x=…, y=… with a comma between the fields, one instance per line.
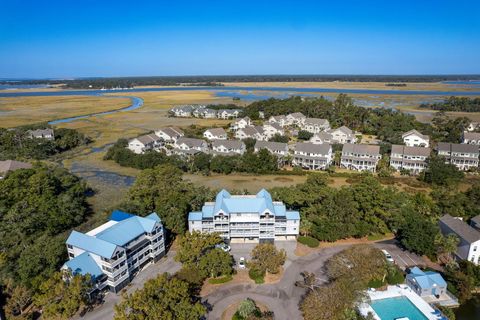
x=84, y=264
x=12, y=165
x=324, y=136
x=273, y=125
x=309, y=147
x=126, y=230
x=316, y=121
x=415, y=132
x=91, y=244
x=172, y=131
x=296, y=115
x=148, y=138
x=216, y=131
x=229, y=144
x=191, y=142
x=457, y=147
x=271, y=146
x=410, y=151
x=41, y=132
x=460, y=228
x=118, y=215
x=471, y=135
x=343, y=129
x=293, y=215
x=426, y=280
x=361, y=149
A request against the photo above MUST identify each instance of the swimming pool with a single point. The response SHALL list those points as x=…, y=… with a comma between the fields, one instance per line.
x=395, y=308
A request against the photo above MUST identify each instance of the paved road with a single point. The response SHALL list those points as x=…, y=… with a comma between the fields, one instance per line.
x=402, y=258
x=105, y=311
x=282, y=297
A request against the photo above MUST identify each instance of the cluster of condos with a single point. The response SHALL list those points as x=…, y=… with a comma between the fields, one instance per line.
x=113, y=253
x=314, y=154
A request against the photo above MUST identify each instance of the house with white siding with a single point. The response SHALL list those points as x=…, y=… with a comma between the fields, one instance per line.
x=469, y=246
x=342, y=135
x=215, y=134
x=413, y=159
x=113, y=253
x=360, y=157
x=228, y=147
x=279, y=149
x=473, y=126
x=253, y=132
x=413, y=138
x=312, y=156
x=321, y=138
x=169, y=134
x=279, y=120
x=463, y=156
x=246, y=218
x=271, y=129
x=228, y=114
x=296, y=118
x=240, y=123
x=204, y=112
x=46, y=134
x=471, y=138
x=190, y=146
x=144, y=143
x=183, y=111
x=315, y=125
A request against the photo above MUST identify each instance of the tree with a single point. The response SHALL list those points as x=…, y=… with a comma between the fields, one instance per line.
x=304, y=135
x=266, y=257
x=164, y=297
x=418, y=234
x=440, y=173
x=163, y=190
x=247, y=308
x=215, y=263
x=279, y=138
x=61, y=299
x=191, y=246
x=446, y=246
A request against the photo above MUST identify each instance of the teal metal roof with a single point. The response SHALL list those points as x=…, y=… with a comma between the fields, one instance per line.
x=154, y=216
x=280, y=210
x=91, y=244
x=118, y=215
x=84, y=264
x=426, y=280
x=125, y=231
x=195, y=216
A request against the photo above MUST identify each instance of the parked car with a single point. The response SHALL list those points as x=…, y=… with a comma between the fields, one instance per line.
x=225, y=247
x=241, y=263
x=388, y=256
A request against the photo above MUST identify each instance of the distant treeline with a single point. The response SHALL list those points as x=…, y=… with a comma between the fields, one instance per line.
x=128, y=82
x=395, y=84
x=463, y=104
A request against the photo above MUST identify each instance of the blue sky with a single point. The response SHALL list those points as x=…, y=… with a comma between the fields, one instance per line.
x=134, y=38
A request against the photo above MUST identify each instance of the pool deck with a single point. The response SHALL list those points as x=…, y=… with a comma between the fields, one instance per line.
x=398, y=291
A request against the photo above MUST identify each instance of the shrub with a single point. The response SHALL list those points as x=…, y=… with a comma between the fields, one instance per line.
x=309, y=241
x=375, y=283
x=256, y=275
x=220, y=280
x=394, y=275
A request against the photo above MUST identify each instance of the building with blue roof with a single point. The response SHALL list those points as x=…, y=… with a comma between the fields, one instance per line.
x=246, y=218
x=426, y=283
x=113, y=252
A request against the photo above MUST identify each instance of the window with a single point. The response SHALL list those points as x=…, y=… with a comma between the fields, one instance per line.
x=71, y=255
x=69, y=246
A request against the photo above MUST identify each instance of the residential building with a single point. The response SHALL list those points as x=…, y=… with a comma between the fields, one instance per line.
x=115, y=251
x=253, y=132
x=463, y=156
x=240, y=123
x=360, y=157
x=471, y=138
x=413, y=159
x=12, y=165
x=189, y=146
x=413, y=138
x=279, y=120
x=426, y=283
x=246, y=218
x=279, y=149
x=46, y=134
x=342, y=135
x=296, y=118
x=315, y=125
x=169, y=134
x=204, y=112
x=312, y=156
x=469, y=246
x=271, y=129
x=215, y=134
x=475, y=222
x=144, y=143
x=228, y=147
x=183, y=111
x=473, y=126
x=321, y=138
x=228, y=113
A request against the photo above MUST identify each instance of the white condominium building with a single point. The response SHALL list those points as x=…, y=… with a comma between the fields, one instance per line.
x=116, y=250
x=246, y=218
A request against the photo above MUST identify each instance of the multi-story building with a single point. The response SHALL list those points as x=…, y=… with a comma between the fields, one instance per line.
x=228, y=113
x=471, y=138
x=469, y=246
x=215, y=134
x=253, y=132
x=115, y=251
x=360, y=157
x=315, y=125
x=228, y=147
x=463, y=156
x=413, y=138
x=296, y=118
x=144, y=143
x=321, y=138
x=312, y=156
x=240, y=123
x=246, y=218
x=190, y=146
x=46, y=134
x=169, y=134
x=279, y=120
x=280, y=149
x=342, y=135
x=272, y=129
x=12, y=165
x=183, y=111
x=413, y=159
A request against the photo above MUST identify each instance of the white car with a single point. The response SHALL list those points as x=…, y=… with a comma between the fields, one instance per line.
x=388, y=256
x=225, y=247
x=241, y=263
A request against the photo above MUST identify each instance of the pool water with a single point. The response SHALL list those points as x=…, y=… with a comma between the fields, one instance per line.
x=394, y=308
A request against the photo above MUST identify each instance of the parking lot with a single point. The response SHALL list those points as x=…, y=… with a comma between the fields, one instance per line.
x=402, y=258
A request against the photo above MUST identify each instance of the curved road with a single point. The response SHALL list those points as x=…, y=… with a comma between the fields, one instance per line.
x=282, y=297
